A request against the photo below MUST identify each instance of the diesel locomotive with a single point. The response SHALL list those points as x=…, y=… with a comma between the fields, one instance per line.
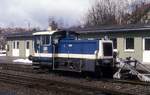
x=63, y=50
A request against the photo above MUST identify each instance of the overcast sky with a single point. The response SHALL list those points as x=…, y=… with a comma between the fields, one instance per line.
x=36, y=12
x=16, y=13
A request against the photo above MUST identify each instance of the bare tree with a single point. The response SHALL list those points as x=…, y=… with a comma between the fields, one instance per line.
x=139, y=13
x=111, y=12
x=106, y=12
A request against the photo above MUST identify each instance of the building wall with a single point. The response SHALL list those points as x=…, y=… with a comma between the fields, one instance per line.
x=138, y=48
x=22, y=47
x=31, y=47
x=138, y=42
x=9, y=48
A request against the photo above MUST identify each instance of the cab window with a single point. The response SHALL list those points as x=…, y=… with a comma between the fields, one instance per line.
x=37, y=40
x=46, y=40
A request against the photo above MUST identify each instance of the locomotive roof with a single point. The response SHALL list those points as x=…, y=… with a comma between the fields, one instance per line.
x=63, y=32
x=44, y=33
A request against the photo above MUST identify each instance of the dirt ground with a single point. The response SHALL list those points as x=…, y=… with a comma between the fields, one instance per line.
x=13, y=89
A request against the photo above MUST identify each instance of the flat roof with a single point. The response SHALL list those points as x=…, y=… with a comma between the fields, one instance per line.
x=112, y=29
x=99, y=29
x=19, y=34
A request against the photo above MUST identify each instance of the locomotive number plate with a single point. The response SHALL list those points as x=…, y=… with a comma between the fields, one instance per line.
x=70, y=45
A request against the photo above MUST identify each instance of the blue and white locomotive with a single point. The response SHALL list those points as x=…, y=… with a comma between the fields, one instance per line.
x=62, y=50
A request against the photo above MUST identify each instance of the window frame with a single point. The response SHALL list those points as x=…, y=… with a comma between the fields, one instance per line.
x=129, y=49
x=144, y=43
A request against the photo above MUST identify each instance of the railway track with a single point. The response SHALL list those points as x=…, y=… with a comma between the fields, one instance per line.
x=63, y=87
x=74, y=86
x=133, y=82
x=28, y=69
x=123, y=81
x=20, y=75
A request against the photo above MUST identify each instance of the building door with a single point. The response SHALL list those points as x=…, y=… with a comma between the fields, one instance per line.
x=27, y=48
x=15, y=50
x=146, y=50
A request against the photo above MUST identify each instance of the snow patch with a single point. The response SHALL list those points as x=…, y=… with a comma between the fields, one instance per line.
x=26, y=61
x=2, y=54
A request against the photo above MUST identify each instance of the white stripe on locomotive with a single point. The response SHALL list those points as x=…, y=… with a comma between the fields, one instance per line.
x=66, y=55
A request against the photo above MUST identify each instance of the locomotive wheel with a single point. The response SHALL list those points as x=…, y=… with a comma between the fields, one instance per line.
x=107, y=71
x=98, y=72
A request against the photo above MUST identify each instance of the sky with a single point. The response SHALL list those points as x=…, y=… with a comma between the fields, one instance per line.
x=35, y=13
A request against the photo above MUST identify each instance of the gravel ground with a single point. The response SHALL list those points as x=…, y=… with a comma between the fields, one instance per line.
x=13, y=89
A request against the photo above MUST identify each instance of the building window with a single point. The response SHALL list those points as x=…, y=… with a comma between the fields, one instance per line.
x=114, y=43
x=17, y=45
x=7, y=47
x=46, y=40
x=27, y=45
x=129, y=44
x=147, y=44
x=13, y=45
